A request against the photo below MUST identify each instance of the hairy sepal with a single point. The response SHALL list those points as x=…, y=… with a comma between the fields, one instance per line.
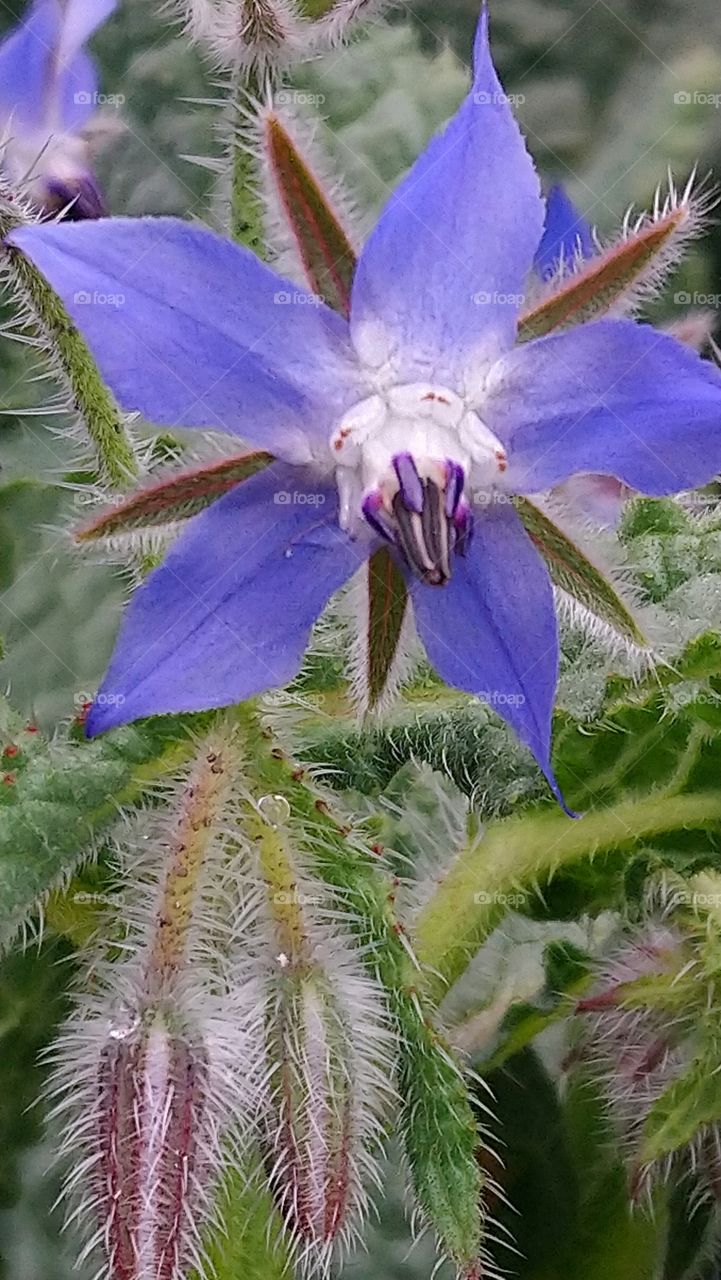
x=591, y=594
x=307, y=212
x=172, y=500
x=382, y=643
x=621, y=276
x=436, y=1121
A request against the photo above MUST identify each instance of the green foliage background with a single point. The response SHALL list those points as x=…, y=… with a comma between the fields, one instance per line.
x=599, y=90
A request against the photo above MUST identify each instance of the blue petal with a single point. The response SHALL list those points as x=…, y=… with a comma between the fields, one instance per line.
x=492, y=631
x=440, y=281
x=193, y=331
x=229, y=612
x=565, y=236
x=47, y=81
x=613, y=397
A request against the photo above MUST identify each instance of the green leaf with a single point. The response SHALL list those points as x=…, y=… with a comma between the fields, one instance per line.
x=250, y=1242
x=574, y=573
x=57, y=799
x=567, y=974
x=683, y=1110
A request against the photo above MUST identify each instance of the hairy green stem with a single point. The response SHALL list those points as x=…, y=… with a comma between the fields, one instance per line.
x=246, y=209
x=527, y=849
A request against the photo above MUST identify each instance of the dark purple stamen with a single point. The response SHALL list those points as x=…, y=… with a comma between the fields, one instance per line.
x=78, y=201
x=409, y=481
x=374, y=512
x=463, y=523
x=454, y=487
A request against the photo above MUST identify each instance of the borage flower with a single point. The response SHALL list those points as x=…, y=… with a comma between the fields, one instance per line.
x=48, y=92
x=412, y=426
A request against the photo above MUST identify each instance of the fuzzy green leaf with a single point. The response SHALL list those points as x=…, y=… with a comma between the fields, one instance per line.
x=57, y=799
x=684, y=1109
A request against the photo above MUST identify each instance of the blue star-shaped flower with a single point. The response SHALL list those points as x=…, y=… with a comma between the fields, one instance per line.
x=413, y=425
x=48, y=92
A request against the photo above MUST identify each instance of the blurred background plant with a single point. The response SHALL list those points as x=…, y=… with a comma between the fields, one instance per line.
x=610, y=96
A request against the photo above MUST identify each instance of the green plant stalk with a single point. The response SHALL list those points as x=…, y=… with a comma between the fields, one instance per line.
x=246, y=208
x=91, y=399
x=526, y=850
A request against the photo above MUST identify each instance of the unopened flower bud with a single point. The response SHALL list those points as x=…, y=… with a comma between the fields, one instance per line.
x=635, y=1043
x=271, y=35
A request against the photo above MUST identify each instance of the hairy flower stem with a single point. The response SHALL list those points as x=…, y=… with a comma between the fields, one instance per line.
x=315, y=8
x=90, y=398
x=525, y=849
x=246, y=209
x=203, y=800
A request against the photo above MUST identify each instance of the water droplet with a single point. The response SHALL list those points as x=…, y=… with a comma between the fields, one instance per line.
x=275, y=809
x=125, y=1022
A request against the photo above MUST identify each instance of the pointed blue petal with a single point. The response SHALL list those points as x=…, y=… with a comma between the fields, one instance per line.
x=193, y=331
x=566, y=235
x=440, y=281
x=492, y=629
x=47, y=82
x=611, y=397
x=229, y=612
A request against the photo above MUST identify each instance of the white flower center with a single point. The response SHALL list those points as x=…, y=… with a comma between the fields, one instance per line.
x=403, y=460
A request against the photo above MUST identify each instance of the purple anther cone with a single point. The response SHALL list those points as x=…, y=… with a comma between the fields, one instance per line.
x=374, y=513
x=454, y=487
x=409, y=481
x=464, y=523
